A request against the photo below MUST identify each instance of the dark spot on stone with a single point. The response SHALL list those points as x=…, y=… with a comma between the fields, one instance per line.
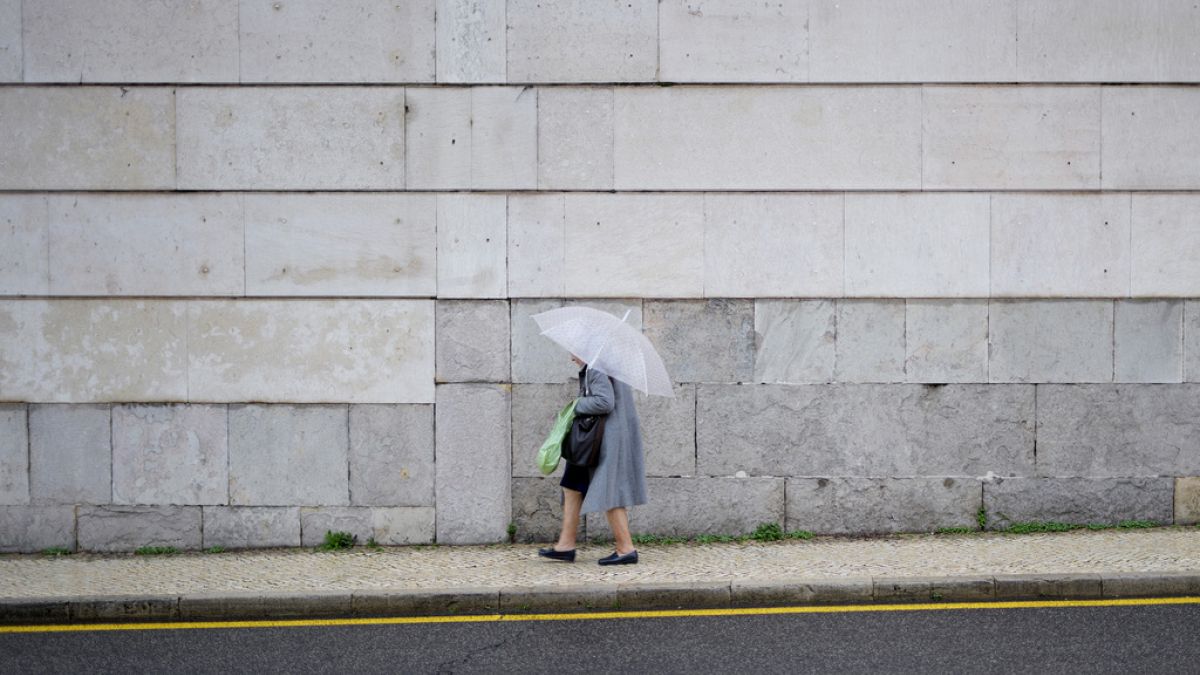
x=949, y=482
x=822, y=482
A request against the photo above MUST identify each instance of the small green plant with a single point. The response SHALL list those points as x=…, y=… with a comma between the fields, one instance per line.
x=1135, y=524
x=955, y=530
x=215, y=549
x=55, y=551
x=981, y=517
x=715, y=538
x=799, y=534
x=1037, y=526
x=373, y=545
x=767, y=532
x=1097, y=526
x=156, y=550
x=335, y=541
x=512, y=533
x=657, y=539
x=936, y=596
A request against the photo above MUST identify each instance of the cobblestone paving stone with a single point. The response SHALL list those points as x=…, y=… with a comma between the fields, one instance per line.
x=429, y=568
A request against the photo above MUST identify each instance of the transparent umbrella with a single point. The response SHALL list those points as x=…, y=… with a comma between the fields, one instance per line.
x=608, y=344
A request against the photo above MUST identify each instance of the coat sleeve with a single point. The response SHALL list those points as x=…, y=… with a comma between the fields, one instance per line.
x=602, y=400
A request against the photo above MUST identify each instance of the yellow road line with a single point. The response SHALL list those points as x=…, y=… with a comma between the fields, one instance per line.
x=647, y=614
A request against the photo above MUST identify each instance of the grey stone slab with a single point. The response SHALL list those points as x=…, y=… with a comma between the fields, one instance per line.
x=858, y=505
x=1191, y=341
x=537, y=510
x=471, y=45
x=1148, y=341
x=127, y=528
x=1050, y=341
x=27, y=611
x=472, y=245
x=437, y=137
x=1047, y=586
x=315, y=522
x=11, y=55
x=703, y=341
x=14, y=455
x=733, y=41
x=795, y=341
x=946, y=340
x=462, y=601
x=504, y=138
x=924, y=589
x=284, y=455
x=575, y=138
x=1077, y=500
x=693, y=506
x=536, y=245
x=1187, y=500
x=388, y=526
x=403, y=525
x=292, y=605
x=1165, y=242
x=28, y=529
x=870, y=341
x=70, y=454
x=116, y=608
x=865, y=430
x=391, y=455
x=673, y=594
x=669, y=432
x=474, y=464
x=1149, y=584
x=534, y=407
x=239, y=527
x=564, y=598
x=1150, y=140
x=1118, y=430
x=582, y=41
x=472, y=341
x=173, y=454
x=223, y=606
x=785, y=591
x=902, y=589
x=24, y=244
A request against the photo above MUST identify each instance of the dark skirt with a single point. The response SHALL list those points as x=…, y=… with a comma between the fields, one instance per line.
x=576, y=478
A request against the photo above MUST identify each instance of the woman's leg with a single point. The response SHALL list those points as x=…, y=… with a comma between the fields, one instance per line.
x=572, y=501
x=618, y=522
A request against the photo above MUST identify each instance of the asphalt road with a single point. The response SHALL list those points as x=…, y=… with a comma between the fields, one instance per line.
x=1150, y=639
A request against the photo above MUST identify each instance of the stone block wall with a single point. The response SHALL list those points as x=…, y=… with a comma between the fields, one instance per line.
x=267, y=268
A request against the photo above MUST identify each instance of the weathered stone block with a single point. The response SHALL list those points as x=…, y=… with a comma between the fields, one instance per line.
x=537, y=509
x=772, y=245
x=1118, y=430
x=438, y=137
x=340, y=244
x=767, y=138
x=1048, y=245
x=402, y=525
x=1166, y=245
x=1077, y=500
x=1187, y=500
x=472, y=341
x=24, y=243
x=946, y=340
x=857, y=505
x=1050, y=341
x=703, y=341
x=504, y=138
x=1148, y=341
x=236, y=527
x=575, y=138
x=473, y=486
x=124, y=608
x=176, y=454
x=70, y=455
x=356, y=351
x=391, y=455
x=470, y=40
x=14, y=455
x=283, y=455
x=11, y=56
x=365, y=41
x=692, y=506
x=316, y=522
x=87, y=138
x=673, y=594
x=1036, y=138
x=731, y=41
x=130, y=41
x=582, y=41
x=537, y=359
x=559, y=598
x=1191, y=341
x=126, y=528
x=759, y=593
x=916, y=244
x=387, y=526
x=280, y=138
x=533, y=409
x=1150, y=140
x=536, y=245
x=669, y=432
x=1047, y=586
x=472, y=244
x=26, y=529
x=1150, y=584
x=865, y=430
x=462, y=601
x=870, y=341
x=794, y=340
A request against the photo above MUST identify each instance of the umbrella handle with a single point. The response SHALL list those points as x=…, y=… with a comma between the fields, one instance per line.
x=607, y=336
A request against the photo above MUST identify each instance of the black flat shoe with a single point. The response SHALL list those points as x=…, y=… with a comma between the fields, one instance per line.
x=617, y=559
x=565, y=556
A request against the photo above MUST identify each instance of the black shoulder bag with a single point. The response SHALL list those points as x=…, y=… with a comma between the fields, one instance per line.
x=582, y=446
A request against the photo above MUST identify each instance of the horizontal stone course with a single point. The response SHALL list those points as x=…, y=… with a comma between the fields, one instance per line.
x=126, y=528
x=702, y=505
x=862, y=505
x=238, y=527
x=1077, y=500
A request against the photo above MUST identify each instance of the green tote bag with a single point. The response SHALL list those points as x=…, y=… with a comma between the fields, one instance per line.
x=551, y=450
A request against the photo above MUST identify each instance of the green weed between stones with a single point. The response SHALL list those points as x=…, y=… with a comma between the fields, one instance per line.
x=955, y=530
x=55, y=551
x=336, y=541
x=764, y=532
x=1036, y=526
x=373, y=545
x=215, y=549
x=512, y=533
x=156, y=550
x=981, y=517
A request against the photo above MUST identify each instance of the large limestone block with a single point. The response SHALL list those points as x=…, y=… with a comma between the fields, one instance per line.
x=870, y=341
x=27, y=529
x=767, y=138
x=732, y=41
x=1108, y=41
x=290, y=138
x=771, y=245
x=912, y=41
x=236, y=527
x=283, y=455
x=575, y=138
x=146, y=244
x=1118, y=430
x=131, y=41
x=533, y=409
x=1150, y=138
x=1011, y=138
x=11, y=56
x=387, y=526
x=472, y=245
x=470, y=41
x=537, y=509
x=946, y=340
x=361, y=41
x=693, y=506
x=582, y=41
x=127, y=528
x=341, y=244
x=634, y=245
x=87, y=138
x=1049, y=245
x=402, y=525
x=669, y=432
x=794, y=341
x=865, y=430
x=70, y=454
x=311, y=351
x=916, y=244
x=1166, y=245
x=1191, y=341
x=472, y=341
x=536, y=245
x=176, y=454
x=391, y=455
x=1050, y=341
x=474, y=501
x=1187, y=500
x=703, y=340
x=437, y=137
x=24, y=245
x=504, y=138
x=863, y=505
x=1148, y=341
x=14, y=455
x=1078, y=500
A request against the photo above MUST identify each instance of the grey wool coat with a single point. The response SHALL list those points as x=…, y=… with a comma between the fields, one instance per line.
x=620, y=477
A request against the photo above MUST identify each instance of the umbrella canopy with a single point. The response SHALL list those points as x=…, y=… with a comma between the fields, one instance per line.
x=609, y=345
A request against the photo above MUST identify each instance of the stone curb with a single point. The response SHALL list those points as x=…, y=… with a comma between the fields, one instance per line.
x=463, y=601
